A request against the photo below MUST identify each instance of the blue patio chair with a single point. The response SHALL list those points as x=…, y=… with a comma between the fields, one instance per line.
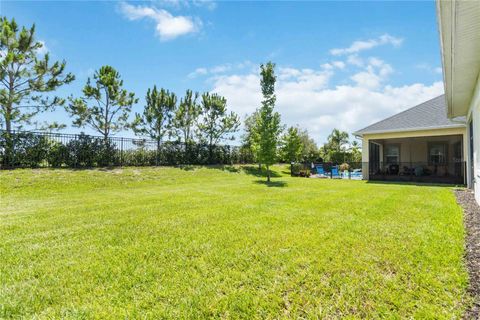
x=335, y=173
x=320, y=170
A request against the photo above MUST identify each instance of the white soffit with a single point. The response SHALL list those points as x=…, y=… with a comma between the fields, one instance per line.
x=459, y=24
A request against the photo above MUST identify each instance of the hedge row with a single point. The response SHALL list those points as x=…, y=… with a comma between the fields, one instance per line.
x=32, y=150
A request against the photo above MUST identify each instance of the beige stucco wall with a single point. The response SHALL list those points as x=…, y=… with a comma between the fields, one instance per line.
x=412, y=151
x=416, y=150
x=474, y=113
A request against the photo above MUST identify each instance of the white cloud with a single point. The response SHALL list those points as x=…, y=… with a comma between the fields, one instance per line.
x=198, y=72
x=305, y=97
x=339, y=64
x=219, y=69
x=355, y=60
x=427, y=67
x=178, y=4
x=44, y=49
x=167, y=27
x=367, y=79
x=361, y=45
x=374, y=74
x=334, y=64
x=209, y=4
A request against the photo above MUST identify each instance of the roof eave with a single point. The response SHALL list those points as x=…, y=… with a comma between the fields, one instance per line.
x=361, y=134
x=458, y=25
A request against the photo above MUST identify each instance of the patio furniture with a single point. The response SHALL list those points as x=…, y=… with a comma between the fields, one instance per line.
x=407, y=171
x=418, y=171
x=334, y=173
x=320, y=170
x=393, y=169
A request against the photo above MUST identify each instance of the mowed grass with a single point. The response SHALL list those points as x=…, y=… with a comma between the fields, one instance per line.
x=213, y=242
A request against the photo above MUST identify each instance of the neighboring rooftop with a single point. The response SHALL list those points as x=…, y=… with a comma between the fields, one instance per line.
x=431, y=114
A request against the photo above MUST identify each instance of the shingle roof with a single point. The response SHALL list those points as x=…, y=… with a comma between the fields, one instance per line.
x=427, y=115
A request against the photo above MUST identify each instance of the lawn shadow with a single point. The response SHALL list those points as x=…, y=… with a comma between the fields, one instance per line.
x=186, y=167
x=254, y=171
x=272, y=184
x=222, y=167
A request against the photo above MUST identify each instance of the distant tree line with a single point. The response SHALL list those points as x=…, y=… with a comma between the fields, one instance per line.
x=29, y=80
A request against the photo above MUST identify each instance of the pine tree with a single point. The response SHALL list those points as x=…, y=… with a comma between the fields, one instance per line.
x=216, y=123
x=186, y=118
x=105, y=105
x=25, y=78
x=157, y=116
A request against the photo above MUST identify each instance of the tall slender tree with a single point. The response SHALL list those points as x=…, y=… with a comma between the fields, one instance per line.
x=216, y=123
x=105, y=105
x=25, y=78
x=185, y=119
x=156, y=119
x=268, y=122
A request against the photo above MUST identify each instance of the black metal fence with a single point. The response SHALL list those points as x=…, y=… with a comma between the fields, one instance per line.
x=428, y=172
x=39, y=149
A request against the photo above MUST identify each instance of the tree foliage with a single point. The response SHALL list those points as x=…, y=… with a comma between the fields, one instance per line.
x=216, y=123
x=291, y=145
x=339, y=149
x=186, y=118
x=310, y=152
x=105, y=105
x=156, y=119
x=268, y=121
x=25, y=76
x=250, y=137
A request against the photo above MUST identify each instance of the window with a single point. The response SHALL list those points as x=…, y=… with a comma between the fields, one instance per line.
x=437, y=152
x=392, y=154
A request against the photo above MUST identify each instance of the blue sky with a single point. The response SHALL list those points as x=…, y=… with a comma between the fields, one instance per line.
x=339, y=64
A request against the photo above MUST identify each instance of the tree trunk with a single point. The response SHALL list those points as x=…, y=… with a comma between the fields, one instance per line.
x=8, y=161
x=8, y=124
x=268, y=173
x=158, y=151
x=210, y=154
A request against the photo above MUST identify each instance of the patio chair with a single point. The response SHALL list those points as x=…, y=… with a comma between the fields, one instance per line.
x=335, y=173
x=320, y=170
x=418, y=171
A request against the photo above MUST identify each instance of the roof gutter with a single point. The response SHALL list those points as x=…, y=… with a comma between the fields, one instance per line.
x=460, y=124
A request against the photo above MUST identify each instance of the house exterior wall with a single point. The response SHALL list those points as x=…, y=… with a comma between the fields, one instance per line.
x=474, y=114
x=418, y=152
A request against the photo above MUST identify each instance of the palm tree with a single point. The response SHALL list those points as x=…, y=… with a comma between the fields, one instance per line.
x=337, y=139
x=355, y=145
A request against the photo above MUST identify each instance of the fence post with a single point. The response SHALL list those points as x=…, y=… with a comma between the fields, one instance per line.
x=121, y=152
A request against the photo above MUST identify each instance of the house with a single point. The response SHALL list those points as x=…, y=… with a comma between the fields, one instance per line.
x=438, y=140
x=459, y=25
x=418, y=144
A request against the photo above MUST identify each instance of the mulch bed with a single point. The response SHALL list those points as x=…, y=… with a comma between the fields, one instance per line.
x=471, y=209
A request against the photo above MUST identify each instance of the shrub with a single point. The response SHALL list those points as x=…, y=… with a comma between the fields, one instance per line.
x=344, y=167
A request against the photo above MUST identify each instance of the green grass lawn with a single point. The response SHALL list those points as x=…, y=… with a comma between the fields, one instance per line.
x=205, y=242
